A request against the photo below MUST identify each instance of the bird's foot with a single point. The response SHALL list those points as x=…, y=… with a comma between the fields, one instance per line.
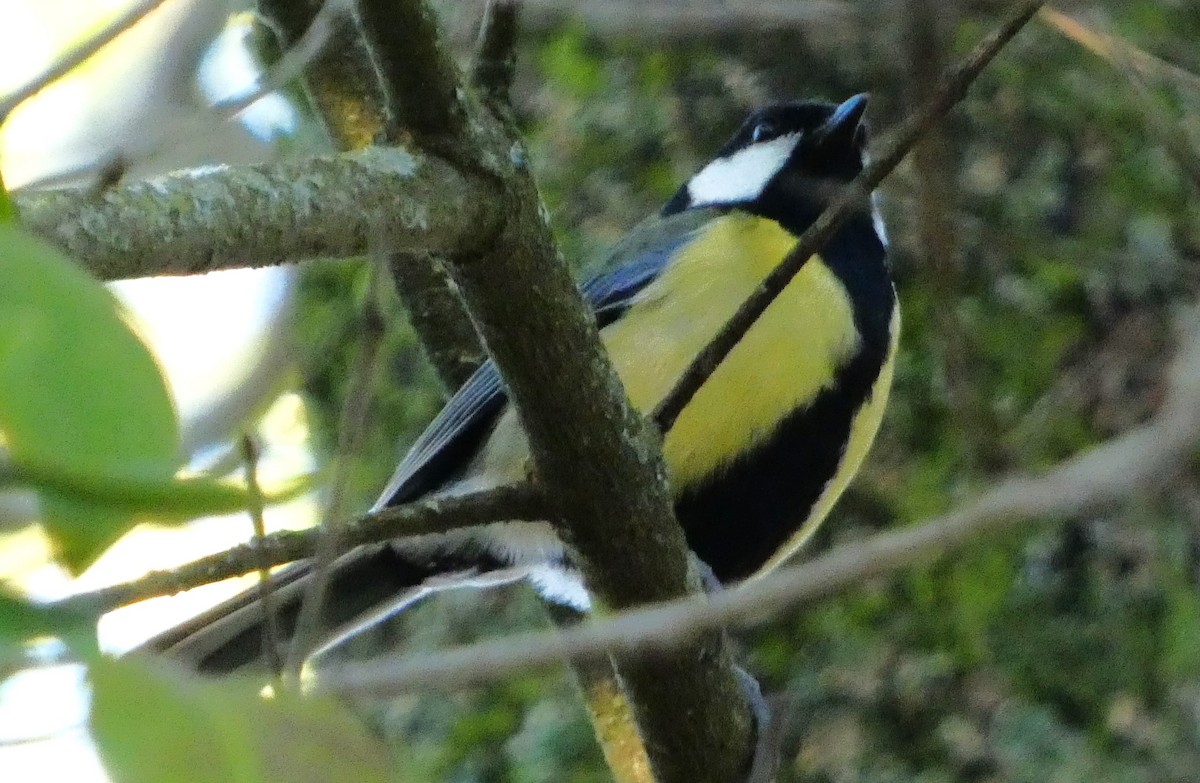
x=765, y=761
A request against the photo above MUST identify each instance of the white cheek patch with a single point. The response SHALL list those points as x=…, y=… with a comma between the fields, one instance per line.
x=742, y=176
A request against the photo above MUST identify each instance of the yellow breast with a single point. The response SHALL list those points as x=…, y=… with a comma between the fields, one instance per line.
x=781, y=364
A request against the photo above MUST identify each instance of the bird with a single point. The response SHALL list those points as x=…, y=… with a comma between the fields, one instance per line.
x=757, y=458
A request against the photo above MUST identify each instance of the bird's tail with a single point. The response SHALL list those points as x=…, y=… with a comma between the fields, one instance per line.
x=363, y=587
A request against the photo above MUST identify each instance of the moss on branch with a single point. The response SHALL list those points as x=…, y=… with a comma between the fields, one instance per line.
x=332, y=206
x=340, y=80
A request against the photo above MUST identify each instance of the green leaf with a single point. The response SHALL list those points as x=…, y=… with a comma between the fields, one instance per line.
x=156, y=725
x=22, y=621
x=77, y=388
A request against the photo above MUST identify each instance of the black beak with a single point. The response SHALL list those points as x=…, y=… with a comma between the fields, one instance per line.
x=843, y=124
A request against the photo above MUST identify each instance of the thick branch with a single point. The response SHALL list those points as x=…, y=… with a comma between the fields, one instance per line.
x=496, y=52
x=520, y=502
x=606, y=480
x=340, y=80
x=419, y=82
x=1141, y=458
x=332, y=206
x=436, y=313
x=951, y=90
x=609, y=483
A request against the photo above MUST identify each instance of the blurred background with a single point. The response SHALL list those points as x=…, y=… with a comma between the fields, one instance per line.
x=1043, y=239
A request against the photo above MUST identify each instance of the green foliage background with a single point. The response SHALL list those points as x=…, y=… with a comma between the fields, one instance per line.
x=1038, y=323
x=1070, y=653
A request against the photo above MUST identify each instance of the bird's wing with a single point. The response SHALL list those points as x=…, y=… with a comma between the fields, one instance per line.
x=450, y=439
x=456, y=433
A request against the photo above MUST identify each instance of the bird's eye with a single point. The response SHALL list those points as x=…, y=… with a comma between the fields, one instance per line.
x=762, y=131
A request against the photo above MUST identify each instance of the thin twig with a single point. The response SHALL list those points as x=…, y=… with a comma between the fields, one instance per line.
x=293, y=62
x=340, y=81
x=288, y=67
x=1141, y=458
x=1113, y=48
x=851, y=198
x=271, y=635
x=351, y=426
x=76, y=56
x=520, y=502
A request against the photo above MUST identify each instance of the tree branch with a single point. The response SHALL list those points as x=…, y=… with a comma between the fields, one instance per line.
x=345, y=91
x=322, y=207
x=339, y=79
x=436, y=313
x=517, y=502
x=607, y=480
x=495, y=53
x=294, y=59
x=851, y=198
x=1143, y=457
x=418, y=80
x=270, y=636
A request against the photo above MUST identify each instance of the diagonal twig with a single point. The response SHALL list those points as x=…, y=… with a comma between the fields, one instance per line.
x=1140, y=68
x=271, y=637
x=1143, y=457
x=76, y=56
x=521, y=502
x=889, y=153
x=292, y=64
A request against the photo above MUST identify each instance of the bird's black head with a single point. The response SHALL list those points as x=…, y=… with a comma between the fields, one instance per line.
x=786, y=156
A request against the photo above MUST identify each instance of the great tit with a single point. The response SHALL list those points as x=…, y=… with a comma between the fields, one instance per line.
x=755, y=460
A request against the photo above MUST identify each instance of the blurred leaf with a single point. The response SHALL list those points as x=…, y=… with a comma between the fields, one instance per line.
x=77, y=388
x=21, y=621
x=566, y=61
x=1182, y=632
x=156, y=725
x=146, y=492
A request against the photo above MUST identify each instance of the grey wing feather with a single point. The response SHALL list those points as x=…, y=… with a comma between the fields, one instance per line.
x=452, y=438
x=462, y=423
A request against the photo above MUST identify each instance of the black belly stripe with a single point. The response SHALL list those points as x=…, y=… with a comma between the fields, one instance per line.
x=736, y=520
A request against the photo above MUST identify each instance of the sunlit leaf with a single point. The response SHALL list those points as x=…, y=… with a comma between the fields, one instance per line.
x=77, y=388
x=156, y=725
